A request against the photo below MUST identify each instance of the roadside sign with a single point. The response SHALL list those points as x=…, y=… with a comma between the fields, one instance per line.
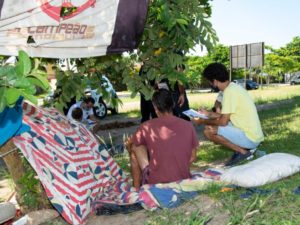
x=247, y=55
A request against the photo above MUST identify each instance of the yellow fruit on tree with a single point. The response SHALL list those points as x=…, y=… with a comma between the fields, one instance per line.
x=157, y=52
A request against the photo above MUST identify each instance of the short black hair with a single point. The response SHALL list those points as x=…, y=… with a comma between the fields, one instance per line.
x=88, y=100
x=216, y=71
x=163, y=101
x=77, y=113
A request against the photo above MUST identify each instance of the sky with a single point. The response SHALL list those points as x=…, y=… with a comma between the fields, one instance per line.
x=274, y=22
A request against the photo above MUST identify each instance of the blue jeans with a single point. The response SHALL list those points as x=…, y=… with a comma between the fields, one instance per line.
x=236, y=136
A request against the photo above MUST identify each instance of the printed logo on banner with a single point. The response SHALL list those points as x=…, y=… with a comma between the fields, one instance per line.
x=54, y=10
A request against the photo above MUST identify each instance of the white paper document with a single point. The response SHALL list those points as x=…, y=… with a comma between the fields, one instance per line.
x=194, y=114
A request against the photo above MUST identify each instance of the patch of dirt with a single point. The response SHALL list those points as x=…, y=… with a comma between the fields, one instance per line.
x=115, y=129
x=117, y=124
x=203, y=203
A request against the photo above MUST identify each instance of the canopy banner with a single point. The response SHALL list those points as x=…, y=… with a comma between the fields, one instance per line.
x=70, y=28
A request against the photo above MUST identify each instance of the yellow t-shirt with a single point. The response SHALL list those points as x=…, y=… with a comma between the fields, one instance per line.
x=243, y=114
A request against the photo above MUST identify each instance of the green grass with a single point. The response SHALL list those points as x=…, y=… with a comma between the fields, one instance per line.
x=3, y=174
x=129, y=99
x=273, y=94
x=282, y=134
x=206, y=100
x=167, y=217
x=281, y=127
x=260, y=96
x=279, y=207
x=123, y=162
x=131, y=114
x=210, y=152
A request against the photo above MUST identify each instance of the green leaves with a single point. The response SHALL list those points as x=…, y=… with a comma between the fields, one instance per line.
x=172, y=29
x=6, y=70
x=39, y=79
x=29, y=97
x=182, y=21
x=283, y=60
x=2, y=98
x=12, y=95
x=23, y=65
x=19, y=80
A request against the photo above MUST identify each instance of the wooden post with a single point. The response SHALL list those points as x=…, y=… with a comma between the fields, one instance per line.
x=17, y=170
x=246, y=65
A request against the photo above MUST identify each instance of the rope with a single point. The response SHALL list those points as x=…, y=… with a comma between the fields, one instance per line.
x=6, y=153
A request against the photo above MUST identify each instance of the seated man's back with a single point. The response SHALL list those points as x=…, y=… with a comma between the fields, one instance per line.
x=170, y=142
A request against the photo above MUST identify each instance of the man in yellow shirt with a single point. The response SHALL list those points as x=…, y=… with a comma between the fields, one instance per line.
x=237, y=127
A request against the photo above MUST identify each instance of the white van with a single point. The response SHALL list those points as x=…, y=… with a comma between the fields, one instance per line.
x=295, y=79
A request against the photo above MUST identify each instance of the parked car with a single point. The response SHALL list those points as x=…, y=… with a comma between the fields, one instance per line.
x=250, y=84
x=295, y=80
x=100, y=106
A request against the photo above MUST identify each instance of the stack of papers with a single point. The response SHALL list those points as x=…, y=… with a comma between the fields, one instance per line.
x=90, y=122
x=194, y=114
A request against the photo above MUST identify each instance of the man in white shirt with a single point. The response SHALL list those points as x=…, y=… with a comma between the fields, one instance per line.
x=88, y=117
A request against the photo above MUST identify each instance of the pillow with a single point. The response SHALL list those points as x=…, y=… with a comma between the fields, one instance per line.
x=264, y=170
x=7, y=211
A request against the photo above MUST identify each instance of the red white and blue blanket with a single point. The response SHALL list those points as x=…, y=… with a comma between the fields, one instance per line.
x=78, y=177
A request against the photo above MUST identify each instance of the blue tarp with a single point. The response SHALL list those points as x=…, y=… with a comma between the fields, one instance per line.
x=169, y=198
x=11, y=122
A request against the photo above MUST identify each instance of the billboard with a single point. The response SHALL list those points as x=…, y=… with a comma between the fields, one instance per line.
x=247, y=55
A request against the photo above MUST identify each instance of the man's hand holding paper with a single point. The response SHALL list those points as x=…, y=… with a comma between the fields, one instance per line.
x=194, y=114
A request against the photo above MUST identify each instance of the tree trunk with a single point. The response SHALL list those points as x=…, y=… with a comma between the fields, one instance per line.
x=17, y=170
x=14, y=163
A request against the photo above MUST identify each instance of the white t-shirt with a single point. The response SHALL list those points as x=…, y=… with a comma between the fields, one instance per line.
x=220, y=97
x=163, y=85
x=85, y=115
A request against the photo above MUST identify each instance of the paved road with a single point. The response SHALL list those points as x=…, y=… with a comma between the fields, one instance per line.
x=127, y=94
